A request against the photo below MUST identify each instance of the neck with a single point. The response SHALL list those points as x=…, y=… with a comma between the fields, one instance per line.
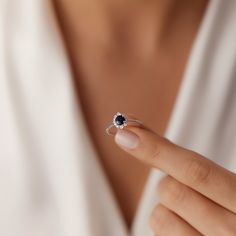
x=133, y=24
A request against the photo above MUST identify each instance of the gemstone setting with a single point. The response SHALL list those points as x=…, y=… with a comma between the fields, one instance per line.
x=120, y=120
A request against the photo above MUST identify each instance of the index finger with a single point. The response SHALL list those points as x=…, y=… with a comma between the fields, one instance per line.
x=188, y=167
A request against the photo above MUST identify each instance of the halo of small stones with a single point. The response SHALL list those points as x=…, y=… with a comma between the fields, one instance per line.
x=124, y=122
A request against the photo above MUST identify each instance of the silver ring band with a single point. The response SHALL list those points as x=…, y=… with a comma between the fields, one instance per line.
x=120, y=121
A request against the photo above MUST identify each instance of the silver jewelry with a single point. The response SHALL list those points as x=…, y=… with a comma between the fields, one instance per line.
x=120, y=121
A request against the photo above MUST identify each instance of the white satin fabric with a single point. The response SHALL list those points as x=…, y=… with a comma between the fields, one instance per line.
x=51, y=182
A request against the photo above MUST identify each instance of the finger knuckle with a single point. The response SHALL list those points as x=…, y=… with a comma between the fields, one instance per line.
x=160, y=148
x=171, y=191
x=197, y=172
x=156, y=152
x=159, y=220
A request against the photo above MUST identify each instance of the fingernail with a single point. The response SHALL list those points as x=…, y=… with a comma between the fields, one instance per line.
x=126, y=139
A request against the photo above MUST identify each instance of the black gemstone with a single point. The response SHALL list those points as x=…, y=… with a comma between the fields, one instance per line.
x=120, y=120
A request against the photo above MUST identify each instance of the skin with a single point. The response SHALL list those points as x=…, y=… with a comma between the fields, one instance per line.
x=127, y=56
x=196, y=198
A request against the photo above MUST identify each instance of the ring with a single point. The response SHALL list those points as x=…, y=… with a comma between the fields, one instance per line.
x=120, y=121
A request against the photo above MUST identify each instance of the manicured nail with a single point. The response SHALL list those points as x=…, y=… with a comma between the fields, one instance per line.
x=126, y=139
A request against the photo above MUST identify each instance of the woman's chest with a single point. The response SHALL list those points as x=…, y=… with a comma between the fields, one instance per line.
x=120, y=76
x=146, y=89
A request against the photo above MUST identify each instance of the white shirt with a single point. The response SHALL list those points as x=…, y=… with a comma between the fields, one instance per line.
x=51, y=181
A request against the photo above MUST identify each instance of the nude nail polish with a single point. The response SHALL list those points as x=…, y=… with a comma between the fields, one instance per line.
x=126, y=139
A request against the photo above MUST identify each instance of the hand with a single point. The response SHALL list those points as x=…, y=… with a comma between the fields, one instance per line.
x=198, y=197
